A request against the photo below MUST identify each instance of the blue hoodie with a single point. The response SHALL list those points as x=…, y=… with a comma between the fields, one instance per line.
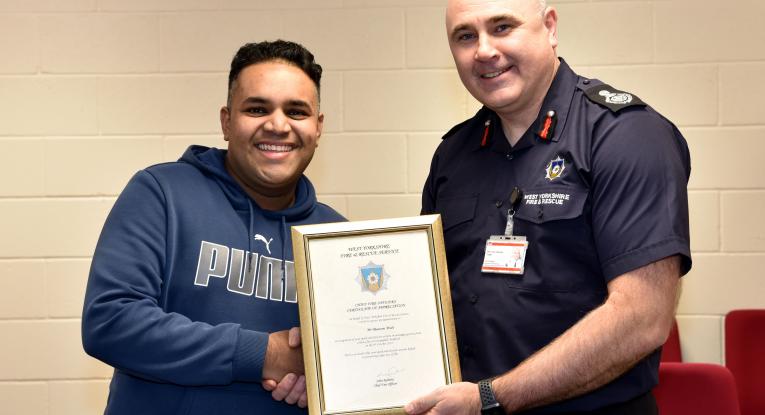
x=171, y=303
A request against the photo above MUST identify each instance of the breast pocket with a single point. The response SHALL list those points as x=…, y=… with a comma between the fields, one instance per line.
x=548, y=204
x=456, y=210
x=561, y=256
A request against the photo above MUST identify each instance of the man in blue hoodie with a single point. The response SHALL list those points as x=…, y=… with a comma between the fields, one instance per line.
x=192, y=294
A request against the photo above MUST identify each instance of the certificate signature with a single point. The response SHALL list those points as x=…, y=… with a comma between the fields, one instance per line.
x=388, y=377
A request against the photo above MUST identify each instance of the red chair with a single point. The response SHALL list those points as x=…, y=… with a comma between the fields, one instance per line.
x=697, y=389
x=671, y=352
x=745, y=357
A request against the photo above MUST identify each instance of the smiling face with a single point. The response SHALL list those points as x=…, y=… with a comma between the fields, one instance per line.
x=272, y=126
x=504, y=50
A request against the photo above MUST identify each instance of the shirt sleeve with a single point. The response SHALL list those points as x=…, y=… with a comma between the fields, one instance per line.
x=123, y=323
x=429, y=188
x=640, y=171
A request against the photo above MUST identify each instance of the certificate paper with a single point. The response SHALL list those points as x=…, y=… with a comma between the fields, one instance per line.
x=375, y=313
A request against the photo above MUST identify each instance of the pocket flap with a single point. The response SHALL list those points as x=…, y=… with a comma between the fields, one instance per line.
x=456, y=210
x=551, y=203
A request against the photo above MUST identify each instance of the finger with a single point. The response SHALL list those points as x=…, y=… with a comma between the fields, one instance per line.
x=296, y=391
x=303, y=401
x=268, y=384
x=421, y=404
x=284, y=387
x=294, y=337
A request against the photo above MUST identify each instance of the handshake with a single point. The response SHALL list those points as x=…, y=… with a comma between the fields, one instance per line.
x=283, y=369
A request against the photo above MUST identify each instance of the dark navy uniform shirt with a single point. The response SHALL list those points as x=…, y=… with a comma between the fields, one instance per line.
x=616, y=202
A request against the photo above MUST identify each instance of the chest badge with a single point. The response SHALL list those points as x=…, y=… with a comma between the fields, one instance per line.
x=555, y=168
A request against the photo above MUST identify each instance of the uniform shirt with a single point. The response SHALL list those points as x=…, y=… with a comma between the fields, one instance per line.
x=603, y=194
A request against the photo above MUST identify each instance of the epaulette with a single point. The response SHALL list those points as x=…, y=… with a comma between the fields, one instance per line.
x=607, y=96
x=462, y=124
x=454, y=129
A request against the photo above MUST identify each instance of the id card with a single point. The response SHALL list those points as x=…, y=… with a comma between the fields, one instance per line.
x=505, y=254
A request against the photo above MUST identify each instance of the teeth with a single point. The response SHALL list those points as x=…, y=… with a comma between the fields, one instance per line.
x=274, y=147
x=492, y=74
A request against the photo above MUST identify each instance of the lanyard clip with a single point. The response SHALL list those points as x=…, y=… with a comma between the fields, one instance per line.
x=515, y=200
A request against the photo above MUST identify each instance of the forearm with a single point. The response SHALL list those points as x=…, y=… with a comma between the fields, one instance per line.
x=141, y=339
x=634, y=321
x=580, y=360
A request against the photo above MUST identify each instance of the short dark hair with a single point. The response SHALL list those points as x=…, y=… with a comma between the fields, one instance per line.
x=279, y=50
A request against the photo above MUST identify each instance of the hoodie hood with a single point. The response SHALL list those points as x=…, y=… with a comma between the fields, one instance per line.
x=212, y=162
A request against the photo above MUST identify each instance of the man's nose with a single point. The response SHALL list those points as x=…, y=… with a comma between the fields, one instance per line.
x=277, y=123
x=486, y=50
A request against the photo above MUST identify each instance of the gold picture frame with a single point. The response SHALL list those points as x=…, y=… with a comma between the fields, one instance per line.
x=376, y=319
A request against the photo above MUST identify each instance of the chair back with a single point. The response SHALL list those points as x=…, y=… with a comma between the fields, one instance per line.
x=696, y=388
x=745, y=357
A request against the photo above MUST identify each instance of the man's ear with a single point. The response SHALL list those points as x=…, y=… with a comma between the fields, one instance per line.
x=551, y=23
x=225, y=117
x=319, y=127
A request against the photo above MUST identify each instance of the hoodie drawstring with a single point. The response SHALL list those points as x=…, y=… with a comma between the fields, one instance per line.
x=250, y=230
x=284, y=239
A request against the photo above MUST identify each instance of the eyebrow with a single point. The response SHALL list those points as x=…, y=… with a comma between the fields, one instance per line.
x=299, y=103
x=513, y=19
x=255, y=100
x=291, y=103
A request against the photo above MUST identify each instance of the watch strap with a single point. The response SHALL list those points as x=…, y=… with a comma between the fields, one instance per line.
x=489, y=404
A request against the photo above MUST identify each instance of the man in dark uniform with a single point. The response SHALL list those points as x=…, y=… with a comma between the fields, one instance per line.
x=592, y=184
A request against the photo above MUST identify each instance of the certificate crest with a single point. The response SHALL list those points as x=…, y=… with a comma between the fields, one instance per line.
x=373, y=277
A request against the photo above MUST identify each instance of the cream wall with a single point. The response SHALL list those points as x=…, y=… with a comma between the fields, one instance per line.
x=92, y=90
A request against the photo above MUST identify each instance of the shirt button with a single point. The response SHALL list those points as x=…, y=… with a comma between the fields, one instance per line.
x=498, y=204
x=509, y=156
x=586, y=81
x=473, y=299
x=540, y=214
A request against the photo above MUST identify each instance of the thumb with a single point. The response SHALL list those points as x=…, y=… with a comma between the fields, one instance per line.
x=269, y=384
x=294, y=337
x=421, y=404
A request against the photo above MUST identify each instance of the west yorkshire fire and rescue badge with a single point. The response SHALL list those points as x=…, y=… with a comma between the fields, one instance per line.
x=555, y=169
x=372, y=277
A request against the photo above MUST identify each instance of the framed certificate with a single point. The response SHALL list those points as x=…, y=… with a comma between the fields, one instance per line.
x=375, y=312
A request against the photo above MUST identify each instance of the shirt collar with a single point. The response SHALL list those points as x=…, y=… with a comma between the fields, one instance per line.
x=558, y=99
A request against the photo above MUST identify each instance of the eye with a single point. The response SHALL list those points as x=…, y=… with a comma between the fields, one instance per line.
x=255, y=110
x=465, y=37
x=502, y=28
x=298, y=114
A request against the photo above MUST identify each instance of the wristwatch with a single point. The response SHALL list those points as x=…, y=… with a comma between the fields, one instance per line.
x=489, y=404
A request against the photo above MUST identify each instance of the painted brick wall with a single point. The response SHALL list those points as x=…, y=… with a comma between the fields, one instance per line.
x=93, y=90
